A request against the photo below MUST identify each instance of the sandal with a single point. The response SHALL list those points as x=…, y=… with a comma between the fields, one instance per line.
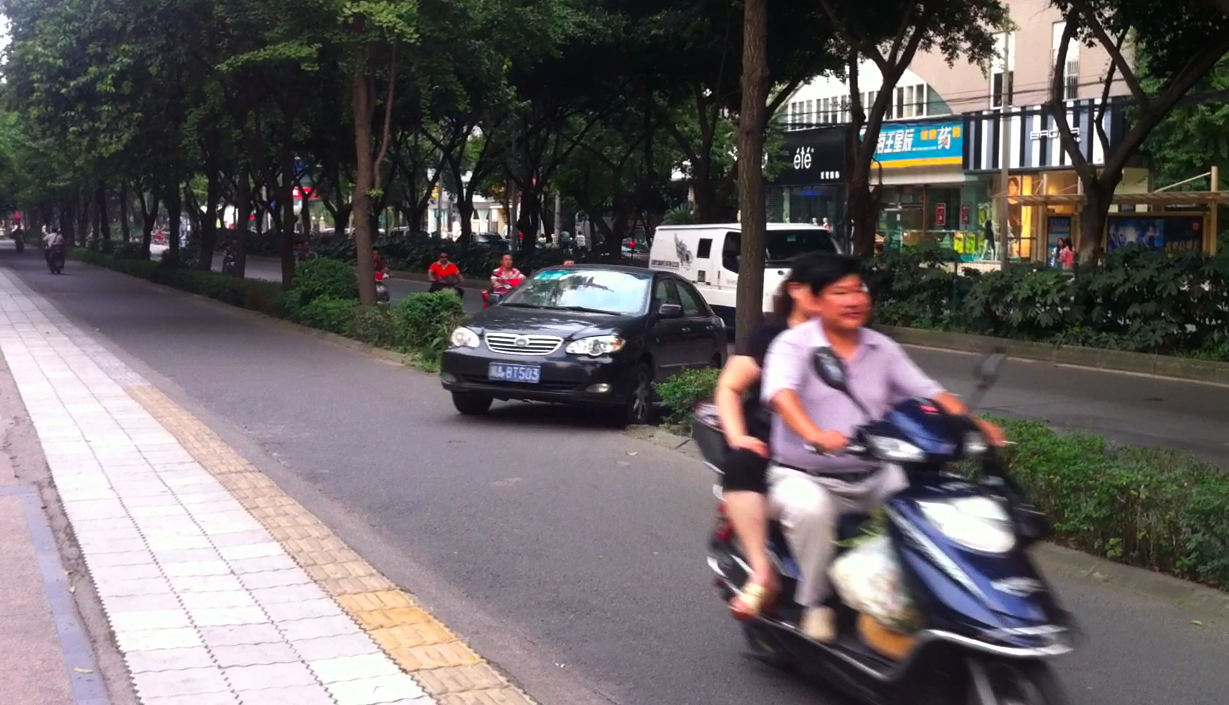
x=751, y=601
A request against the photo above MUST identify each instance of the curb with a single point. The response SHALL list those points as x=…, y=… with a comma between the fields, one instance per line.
x=1095, y=358
x=1053, y=558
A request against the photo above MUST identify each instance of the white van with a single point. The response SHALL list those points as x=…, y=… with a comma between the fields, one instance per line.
x=708, y=255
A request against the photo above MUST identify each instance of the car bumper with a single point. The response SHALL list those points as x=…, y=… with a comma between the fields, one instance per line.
x=600, y=381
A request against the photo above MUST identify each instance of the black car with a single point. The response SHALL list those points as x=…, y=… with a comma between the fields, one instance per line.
x=592, y=335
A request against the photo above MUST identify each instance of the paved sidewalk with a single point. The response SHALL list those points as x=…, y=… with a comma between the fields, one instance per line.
x=219, y=588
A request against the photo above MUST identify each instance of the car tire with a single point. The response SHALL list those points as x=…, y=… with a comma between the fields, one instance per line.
x=638, y=411
x=471, y=403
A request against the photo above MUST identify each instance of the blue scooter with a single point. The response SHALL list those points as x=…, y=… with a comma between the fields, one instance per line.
x=988, y=621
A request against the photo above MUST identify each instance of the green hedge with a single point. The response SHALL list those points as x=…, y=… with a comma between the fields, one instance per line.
x=1162, y=303
x=266, y=297
x=1154, y=508
x=324, y=297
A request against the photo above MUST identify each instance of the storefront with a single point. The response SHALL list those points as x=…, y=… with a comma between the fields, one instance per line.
x=927, y=197
x=1040, y=172
x=810, y=186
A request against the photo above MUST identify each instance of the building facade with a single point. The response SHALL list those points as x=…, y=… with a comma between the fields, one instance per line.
x=938, y=153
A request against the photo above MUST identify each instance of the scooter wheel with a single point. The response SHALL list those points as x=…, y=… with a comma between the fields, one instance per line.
x=766, y=648
x=1014, y=682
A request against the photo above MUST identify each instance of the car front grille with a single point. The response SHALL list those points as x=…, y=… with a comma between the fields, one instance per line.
x=512, y=344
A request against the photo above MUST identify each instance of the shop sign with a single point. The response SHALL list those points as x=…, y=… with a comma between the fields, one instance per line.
x=812, y=157
x=920, y=144
x=941, y=215
x=1034, y=141
x=964, y=215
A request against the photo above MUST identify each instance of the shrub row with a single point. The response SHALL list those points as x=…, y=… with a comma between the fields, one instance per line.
x=1138, y=301
x=1154, y=508
x=325, y=297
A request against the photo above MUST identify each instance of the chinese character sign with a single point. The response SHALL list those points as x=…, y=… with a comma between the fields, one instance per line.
x=925, y=144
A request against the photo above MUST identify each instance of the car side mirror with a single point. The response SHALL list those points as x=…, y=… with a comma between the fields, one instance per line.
x=830, y=369
x=988, y=368
x=670, y=311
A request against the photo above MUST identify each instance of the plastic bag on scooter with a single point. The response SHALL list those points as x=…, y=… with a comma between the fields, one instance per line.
x=869, y=579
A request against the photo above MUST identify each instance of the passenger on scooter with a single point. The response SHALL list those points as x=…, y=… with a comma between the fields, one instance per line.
x=746, y=425
x=505, y=274
x=808, y=491
x=377, y=263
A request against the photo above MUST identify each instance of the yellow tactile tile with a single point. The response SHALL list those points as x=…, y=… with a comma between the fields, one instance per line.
x=445, y=667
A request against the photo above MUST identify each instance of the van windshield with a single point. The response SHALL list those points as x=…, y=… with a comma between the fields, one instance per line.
x=784, y=245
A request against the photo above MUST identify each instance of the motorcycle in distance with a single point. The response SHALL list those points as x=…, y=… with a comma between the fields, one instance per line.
x=987, y=621
x=19, y=241
x=382, y=294
x=492, y=297
x=55, y=259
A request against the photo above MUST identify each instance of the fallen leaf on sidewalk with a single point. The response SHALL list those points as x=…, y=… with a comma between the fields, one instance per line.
x=72, y=588
x=1197, y=623
x=84, y=670
x=632, y=452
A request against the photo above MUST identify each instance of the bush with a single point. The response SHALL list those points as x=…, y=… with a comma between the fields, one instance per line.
x=329, y=313
x=320, y=278
x=680, y=394
x=1162, y=303
x=1155, y=508
x=424, y=323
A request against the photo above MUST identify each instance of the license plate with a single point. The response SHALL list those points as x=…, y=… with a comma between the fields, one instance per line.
x=525, y=374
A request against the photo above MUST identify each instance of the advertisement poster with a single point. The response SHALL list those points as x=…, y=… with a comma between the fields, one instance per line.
x=1155, y=232
x=941, y=215
x=965, y=216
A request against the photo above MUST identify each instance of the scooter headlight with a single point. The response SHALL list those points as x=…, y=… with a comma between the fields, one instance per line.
x=464, y=338
x=977, y=523
x=895, y=450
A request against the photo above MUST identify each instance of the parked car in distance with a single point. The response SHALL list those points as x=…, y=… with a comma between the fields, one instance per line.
x=495, y=241
x=590, y=335
x=635, y=251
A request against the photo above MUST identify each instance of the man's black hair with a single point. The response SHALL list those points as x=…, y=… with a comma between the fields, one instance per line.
x=820, y=271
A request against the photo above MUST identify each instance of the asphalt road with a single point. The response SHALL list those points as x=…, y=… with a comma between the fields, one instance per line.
x=1132, y=409
x=565, y=551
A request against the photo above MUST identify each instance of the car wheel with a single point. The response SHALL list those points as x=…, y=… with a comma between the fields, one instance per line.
x=639, y=411
x=472, y=404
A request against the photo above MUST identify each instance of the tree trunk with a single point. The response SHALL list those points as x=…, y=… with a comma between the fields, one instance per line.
x=243, y=214
x=104, y=216
x=364, y=181
x=286, y=199
x=749, y=301
x=125, y=218
x=149, y=218
x=1093, y=217
x=209, y=218
x=83, y=215
x=174, y=212
x=68, y=221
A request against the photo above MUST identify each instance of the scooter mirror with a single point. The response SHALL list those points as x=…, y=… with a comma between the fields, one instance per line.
x=988, y=368
x=830, y=369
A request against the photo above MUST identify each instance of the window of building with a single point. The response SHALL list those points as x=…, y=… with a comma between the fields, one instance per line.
x=919, y=100
x=844, y=108
x=1071, y=69
x=1002, y=72
x=825, y=111
x=809, y=116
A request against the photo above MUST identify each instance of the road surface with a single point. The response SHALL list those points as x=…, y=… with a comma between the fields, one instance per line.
x=567, y=552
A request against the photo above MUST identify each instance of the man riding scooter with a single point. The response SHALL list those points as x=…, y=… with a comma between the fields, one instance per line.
x=808, y=491
x=444, y=274
x=53, y=251
x=503, y=280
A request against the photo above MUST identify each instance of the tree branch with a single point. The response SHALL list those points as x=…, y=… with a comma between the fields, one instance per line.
x=1124, y=67
x=386, y=133
x=1057, y=108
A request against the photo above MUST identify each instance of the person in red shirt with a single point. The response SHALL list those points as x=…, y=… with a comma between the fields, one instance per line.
x=444, y=274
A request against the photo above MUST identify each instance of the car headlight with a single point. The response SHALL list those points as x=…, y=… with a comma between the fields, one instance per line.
x=595, y=346
x=974, y=444
x=977, y=523
x=895, y=450
x=464, y=338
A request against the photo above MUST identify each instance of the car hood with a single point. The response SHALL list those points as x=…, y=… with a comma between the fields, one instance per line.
x=564, y=324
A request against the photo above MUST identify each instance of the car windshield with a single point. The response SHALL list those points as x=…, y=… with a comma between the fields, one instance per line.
x=784, y=245
x=597, y=290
